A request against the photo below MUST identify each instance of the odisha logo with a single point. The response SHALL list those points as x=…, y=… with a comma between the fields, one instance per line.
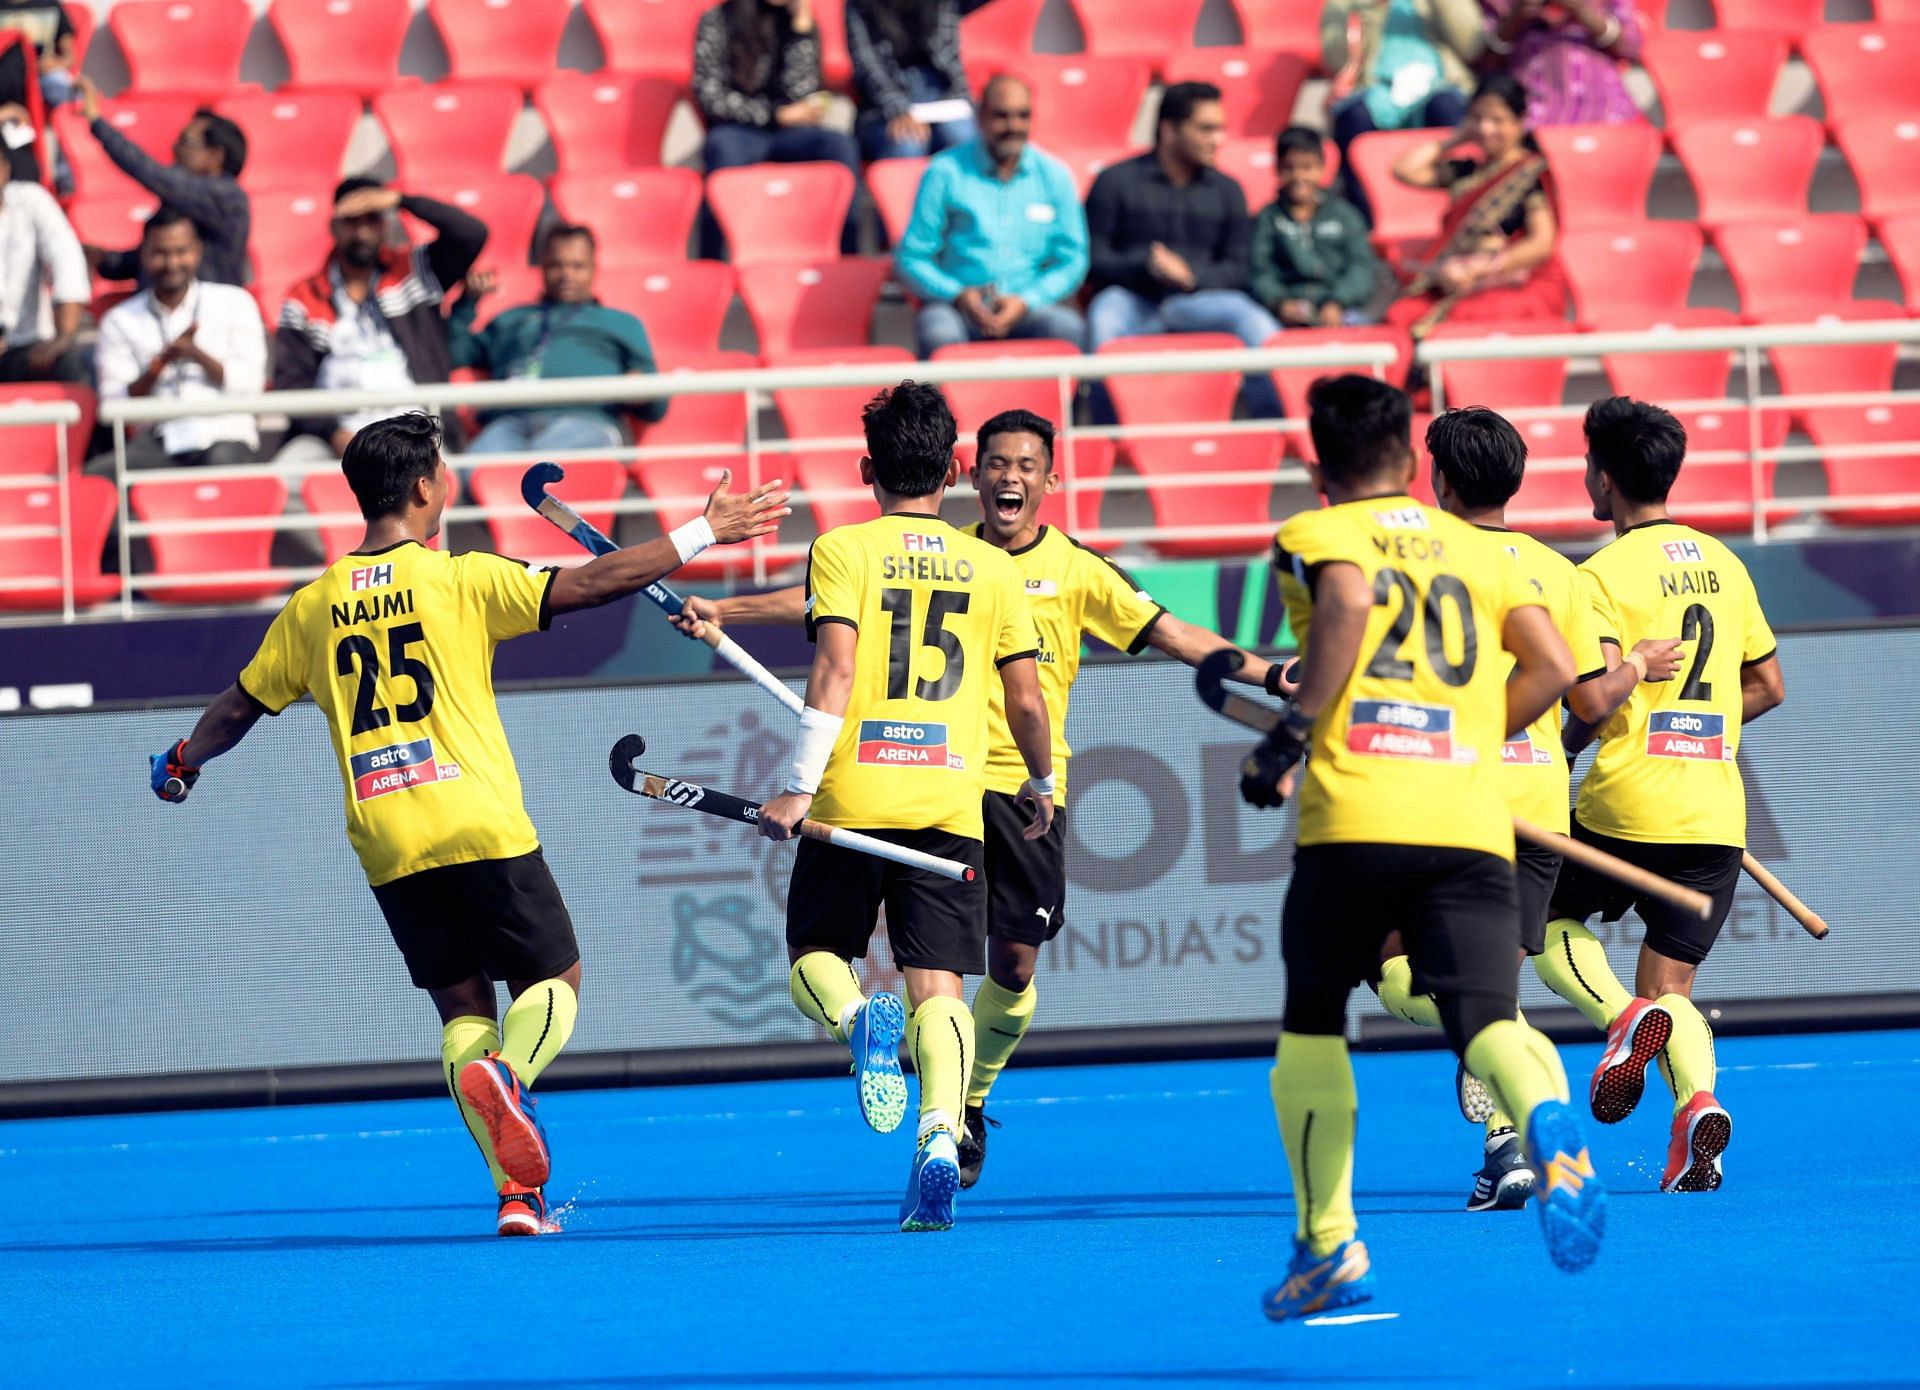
x=717, y=936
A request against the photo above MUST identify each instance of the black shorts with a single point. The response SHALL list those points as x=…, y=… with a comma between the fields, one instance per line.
x=1456, y=910
x=1535, y=871
x=1672, y=931
x=933, y=923
x=502, y=918
x=1026, y=879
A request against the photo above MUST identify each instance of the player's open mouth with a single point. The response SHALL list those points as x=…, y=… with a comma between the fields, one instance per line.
x=1009, y=502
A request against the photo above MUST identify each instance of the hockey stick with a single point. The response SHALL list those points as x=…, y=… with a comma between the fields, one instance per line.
x=1212, y=672
x=1815, y=925
x=695, y=797
x=533, y=487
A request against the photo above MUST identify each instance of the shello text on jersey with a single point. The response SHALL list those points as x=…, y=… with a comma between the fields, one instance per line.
x=935, y=568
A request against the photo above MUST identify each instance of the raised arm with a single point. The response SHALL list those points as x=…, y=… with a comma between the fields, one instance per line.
x=1184, y=642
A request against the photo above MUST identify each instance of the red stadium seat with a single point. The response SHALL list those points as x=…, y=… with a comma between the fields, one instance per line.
x=1668, y=376
x=1601, y=173
x=294, y=139
x=510, y=205
x=1131, y=29
x=1000, y=35
x=1400, y=213
x=1714, y=76
x=1553, y=501
x=1292, y=382
x=1750, y=171
x=976, y=402
x=1084, y=101
x=681, y=484
x=1257, y=89
x=1280, y=26
x=651, y=38
x=683, y=306
x=830, y=413
x=84, y=23
x=1196, y=398
x=113, y=220
x=1900, y=238
x=894, y=184
x=34, y=450
x=1840, y=427
x=1782, y=265
x=331, y=495
x=1630, y=270
x=1503, y=385
x=1166, y=463
x=604, y=123
x=831, y=477
x=1864, y=70
x=151, y=122
x=1810, y=371
x=292, y=236
x=781, y=212
x=1897, y=11
x=180, y=557
x=836, y=63
x=1715, y=488
x=1248, y=160
x=701, y=419
x=640, y=216
x=1791, y=17
x=1884, y=154
x=32, y=569
x=679, y=487
x=448, y=133
x=189, y=47
x=591, y=487
x=515, y=41
x=1084, y=465
x=342, y=45
x=802, y=305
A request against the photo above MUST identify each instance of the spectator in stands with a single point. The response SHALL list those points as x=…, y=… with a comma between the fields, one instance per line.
x=1567, y=54
x=756, y=79
x=907, y=75
x=997, y=244
x=1411, y=68
x=185, y=339
x=38, y=252
x=202, y=181
x=1169, y=234
x=568, y=333
x=1312, y=264
x=1493, y=260
x=369, y=319
x=49, y=29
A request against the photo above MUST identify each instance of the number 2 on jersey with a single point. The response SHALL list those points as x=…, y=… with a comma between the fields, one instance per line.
x=1696, y=626
x=1389, y=661
x=941, y=604
x=357, y=649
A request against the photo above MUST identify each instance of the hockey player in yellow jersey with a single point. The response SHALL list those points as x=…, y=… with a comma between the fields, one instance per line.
x=1664, y=791
x=1479, y=460
x=395, y=643
x=915, y=624
x=1404, y=616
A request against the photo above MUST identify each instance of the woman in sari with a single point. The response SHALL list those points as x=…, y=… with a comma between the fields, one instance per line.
x=1493, y=260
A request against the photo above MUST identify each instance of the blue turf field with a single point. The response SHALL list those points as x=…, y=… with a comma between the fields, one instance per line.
x=743, y=1236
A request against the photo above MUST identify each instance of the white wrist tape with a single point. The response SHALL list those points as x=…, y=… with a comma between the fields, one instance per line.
x=692, y=538
x=819, y=731
x=1042, y=786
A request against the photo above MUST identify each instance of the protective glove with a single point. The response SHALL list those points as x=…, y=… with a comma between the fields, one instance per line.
x=170, y=773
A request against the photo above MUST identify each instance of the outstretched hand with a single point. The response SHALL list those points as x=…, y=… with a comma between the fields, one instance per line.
x=745, y=516
x=697, y=616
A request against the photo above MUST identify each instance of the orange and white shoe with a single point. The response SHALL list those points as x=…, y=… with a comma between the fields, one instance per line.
x=1634, y=1039
x=1701, y=1132
x=508, y=1111
x=523, y=1212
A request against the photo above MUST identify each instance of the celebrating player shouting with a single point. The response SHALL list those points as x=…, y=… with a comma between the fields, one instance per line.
x=914, y=624
x=1664, y=791
x=1074, y=593
x=395, y=643
x=1401, y=611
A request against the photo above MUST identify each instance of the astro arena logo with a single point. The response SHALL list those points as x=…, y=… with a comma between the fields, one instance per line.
x=1673, y=733
x=1401, y=729
x=398, y=767
x=894, y=743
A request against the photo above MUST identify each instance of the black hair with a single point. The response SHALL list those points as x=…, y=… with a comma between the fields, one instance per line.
x=1299, y=139
x=567, y=231
x=164, y=216
x=910, y=434
x=226, y=137
x=1178, y=102
x=1479, y=453
x=907, y=26
x=1506, y=88
x=386, y=458
x=1017, y=422
x=1360, y=426
x=1639, y=446
x=354, y=185
x=753, y=38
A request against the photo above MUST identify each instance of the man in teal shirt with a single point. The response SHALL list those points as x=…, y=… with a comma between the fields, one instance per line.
x=568, y=333
x=997, y=244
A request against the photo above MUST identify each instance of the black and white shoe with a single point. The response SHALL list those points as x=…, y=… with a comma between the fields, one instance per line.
x=1506, y=1179
x=973, y=1143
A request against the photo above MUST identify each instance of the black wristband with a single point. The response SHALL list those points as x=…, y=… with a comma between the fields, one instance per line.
x=1272, y=681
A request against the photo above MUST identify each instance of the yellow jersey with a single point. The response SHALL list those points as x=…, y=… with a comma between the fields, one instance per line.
x=1665, y=771
x=1073, y=591
x=938, y=612
x=1537, y=780
x=1408, y=751
x=396, y=648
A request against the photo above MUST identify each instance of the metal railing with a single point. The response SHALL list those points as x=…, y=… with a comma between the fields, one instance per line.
x=61, y=416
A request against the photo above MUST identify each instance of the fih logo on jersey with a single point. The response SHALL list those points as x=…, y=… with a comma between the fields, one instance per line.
x=398, y=767
x=913, y=540
x=1682, y=552
x=1401, y=729
x=1673, y=733
x=372, y=577
x=1403, y=519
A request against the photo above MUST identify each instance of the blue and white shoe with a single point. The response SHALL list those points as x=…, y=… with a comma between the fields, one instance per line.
x=1321, y=1283
x=928, y=1205
x=875, y=1039
x=1572, y=1201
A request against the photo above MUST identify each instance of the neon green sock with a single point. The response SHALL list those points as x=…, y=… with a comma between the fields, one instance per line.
x=1574, y=966
x=1396, y=993
x=463, y=1040
x=1519, y=1066
x=1316, y=1105
x=1687, y=1059
x=1000, y=1020
x=941, y=1036
x=536, y=1027
x=826, y=990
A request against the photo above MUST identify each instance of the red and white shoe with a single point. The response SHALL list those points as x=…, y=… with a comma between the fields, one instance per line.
x=523, y=1212
x=1634, y=1039
x=1701, y=1132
